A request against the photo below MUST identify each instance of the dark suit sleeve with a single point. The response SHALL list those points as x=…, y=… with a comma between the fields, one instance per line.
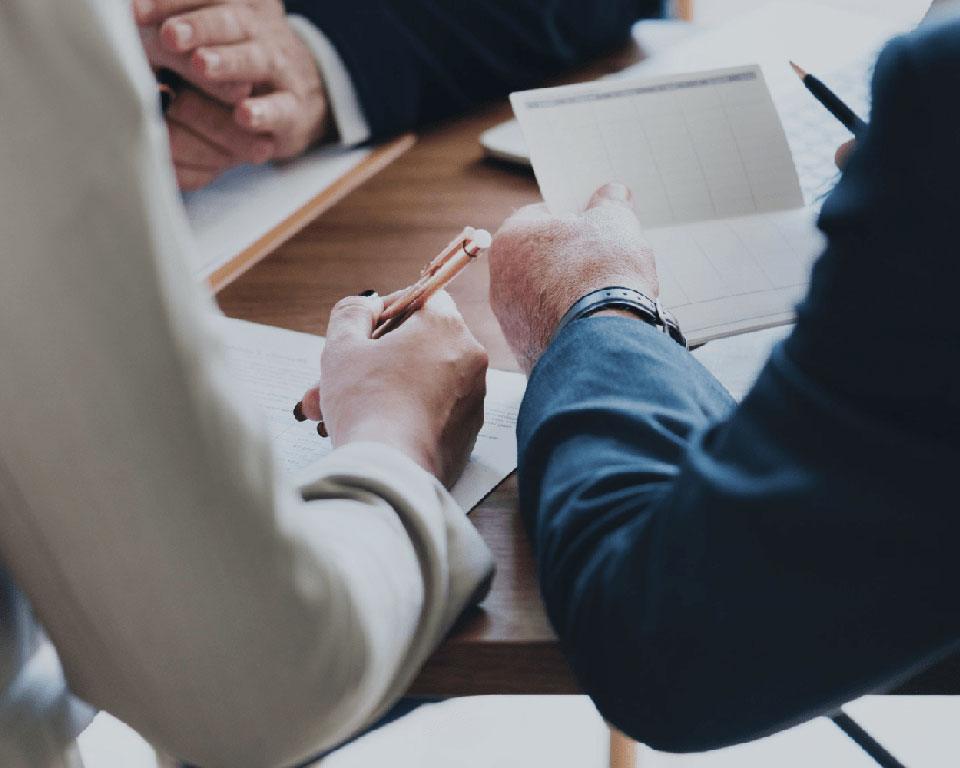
x=415, y=61
x=717, y=573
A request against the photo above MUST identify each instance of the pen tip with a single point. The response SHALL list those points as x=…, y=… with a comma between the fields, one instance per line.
x=801, y=72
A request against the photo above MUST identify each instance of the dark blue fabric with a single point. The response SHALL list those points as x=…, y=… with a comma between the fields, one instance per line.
x=415, y=61
x=715, y=572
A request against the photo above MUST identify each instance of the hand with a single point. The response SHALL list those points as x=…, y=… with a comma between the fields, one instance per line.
x=205, y=140
x=419, y=389
x=541, y=264
x=844, y=152
x=244, y=54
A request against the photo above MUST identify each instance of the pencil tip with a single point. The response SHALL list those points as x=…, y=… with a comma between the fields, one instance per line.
x=801, y=73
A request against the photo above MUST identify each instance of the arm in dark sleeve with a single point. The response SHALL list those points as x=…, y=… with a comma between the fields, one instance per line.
x=715, y=574
x=415, y=61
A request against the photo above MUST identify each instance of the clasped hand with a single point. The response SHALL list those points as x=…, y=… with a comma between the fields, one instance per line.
x=255, y=91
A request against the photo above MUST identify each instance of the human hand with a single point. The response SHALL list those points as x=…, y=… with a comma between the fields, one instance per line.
x=843, y=153
x=245, y=54
x=419, y=389
x=205, y=140
x=541, y=264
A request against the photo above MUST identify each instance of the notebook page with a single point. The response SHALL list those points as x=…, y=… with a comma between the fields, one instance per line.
x=696, y=146
x=730, y=276
x=276, y=366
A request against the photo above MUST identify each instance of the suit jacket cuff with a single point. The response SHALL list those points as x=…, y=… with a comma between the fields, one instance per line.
x=348, y=115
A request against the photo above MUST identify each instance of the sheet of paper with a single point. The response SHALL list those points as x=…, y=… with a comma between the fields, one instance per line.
x=736, y=362
x=839, y=45
x=694, y=146
x=277, y=366
x=730, y=276
x=248, y=202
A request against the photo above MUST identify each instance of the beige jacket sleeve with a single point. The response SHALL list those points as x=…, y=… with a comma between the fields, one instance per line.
x=231, y=620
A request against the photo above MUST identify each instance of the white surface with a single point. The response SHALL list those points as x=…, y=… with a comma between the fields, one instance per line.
x=247, y=202
x=567, y=732
x=920, y=731
x=736, y=362
x=277, y=366
x=109, y=743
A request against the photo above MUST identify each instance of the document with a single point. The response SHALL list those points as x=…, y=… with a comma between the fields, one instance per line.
x=714, y=183
x=838, y=45
x=247, y=202
x=277, y=366
x=736, y=362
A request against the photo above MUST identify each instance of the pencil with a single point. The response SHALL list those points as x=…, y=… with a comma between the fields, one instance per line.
x=831, y=101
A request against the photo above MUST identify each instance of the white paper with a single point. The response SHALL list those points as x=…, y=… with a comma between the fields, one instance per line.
x=277, y=366
x=247, y=202
x=736, y=362
x=693, y=146
x=838, y=45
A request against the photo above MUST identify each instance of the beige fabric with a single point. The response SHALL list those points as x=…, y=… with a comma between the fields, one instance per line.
x=229, y=619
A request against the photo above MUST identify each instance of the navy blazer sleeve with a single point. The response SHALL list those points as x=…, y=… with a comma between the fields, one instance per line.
x=715, y=572
x=415, y=61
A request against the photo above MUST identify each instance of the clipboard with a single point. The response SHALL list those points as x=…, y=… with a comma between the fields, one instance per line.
x=249, y=212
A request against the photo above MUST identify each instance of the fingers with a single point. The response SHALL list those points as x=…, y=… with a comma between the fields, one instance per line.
x=353, y=319
x=310, y=404
x=212, y=25
x=190, y=179
x=188, y=148
x=214, y=122
x=273, y=113
x=615, y=193
x=154, y=11
x=252, y=61
x=844, y=152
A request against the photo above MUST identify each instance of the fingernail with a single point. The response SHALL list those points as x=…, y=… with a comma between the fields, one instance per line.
x=255, y=112
x=182, y=33
x=211, y=61
x=618, y=191
x=368, y=292
x=144, y=8
x=298, y=412
x=322, y=430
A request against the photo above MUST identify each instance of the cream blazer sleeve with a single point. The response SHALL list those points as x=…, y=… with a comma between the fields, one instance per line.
x=231, y=620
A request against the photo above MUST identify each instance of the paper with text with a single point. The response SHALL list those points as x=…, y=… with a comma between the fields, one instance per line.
x=277, y=366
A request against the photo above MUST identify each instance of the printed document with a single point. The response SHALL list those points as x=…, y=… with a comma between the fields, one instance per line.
x=277, y=366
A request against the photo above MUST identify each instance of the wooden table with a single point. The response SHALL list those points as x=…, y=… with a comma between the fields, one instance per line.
x=379, y=237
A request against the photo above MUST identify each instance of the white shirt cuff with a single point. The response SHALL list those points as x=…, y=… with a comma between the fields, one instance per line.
x=347, y=113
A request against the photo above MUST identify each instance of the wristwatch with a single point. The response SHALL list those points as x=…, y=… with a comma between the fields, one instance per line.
x=617, y=297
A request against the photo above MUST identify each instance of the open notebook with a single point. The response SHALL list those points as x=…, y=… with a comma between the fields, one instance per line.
x=715, y=184
x=277, y=366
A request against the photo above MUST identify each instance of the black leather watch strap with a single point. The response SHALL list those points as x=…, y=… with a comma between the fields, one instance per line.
x=617, y=297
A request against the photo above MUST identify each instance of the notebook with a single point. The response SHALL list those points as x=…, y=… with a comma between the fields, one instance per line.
x=251, y=210
x=276, y=366
x=714, y=183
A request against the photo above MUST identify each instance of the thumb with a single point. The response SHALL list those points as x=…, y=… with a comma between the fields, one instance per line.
x=353, y=319
x=614, y=192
